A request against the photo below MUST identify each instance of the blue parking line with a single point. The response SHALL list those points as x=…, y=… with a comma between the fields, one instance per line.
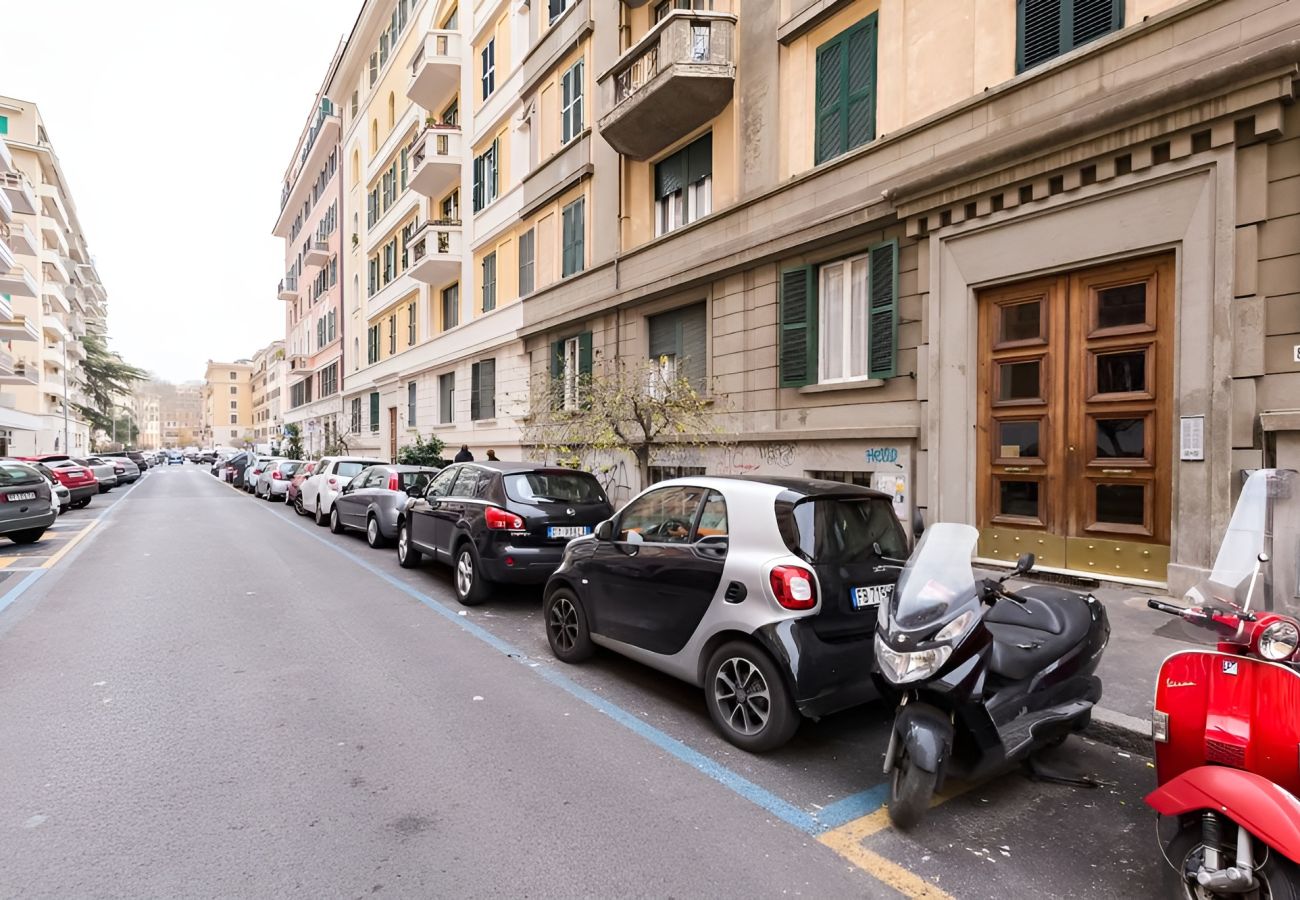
x=17, y=590
x=832, y=816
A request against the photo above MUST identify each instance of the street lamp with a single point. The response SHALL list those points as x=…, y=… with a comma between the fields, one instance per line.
x=130, y=423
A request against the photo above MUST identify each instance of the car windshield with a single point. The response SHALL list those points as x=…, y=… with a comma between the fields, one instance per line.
x=938, y=575
x=13, y=473
x=290, y=468
x=349, y=469
x=554, y=487
x=836, y=530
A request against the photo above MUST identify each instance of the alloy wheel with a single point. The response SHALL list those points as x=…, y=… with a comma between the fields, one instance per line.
x=372, y=531
x=464, y=573
x=563, y=623
x=742, y=694
x=403, y=542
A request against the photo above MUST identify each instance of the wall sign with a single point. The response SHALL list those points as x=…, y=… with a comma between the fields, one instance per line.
x=1191, y=438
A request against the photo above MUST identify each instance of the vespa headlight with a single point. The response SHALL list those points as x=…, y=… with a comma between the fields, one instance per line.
x=913, y=665
x=1279, y=640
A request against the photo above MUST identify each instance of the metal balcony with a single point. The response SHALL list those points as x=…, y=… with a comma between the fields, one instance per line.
x=288, y=289
x=317, y=255
x=435, y=69
x=436, y=252
x=436, y=161
x=675, y=79
x=19, y=191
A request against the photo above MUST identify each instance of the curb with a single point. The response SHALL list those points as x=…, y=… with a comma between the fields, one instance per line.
x=1120, y=730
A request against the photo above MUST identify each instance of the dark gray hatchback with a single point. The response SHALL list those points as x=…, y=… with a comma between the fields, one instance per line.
x=25, y=507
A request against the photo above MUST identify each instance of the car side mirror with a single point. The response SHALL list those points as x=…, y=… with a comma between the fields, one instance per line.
x=604, y=531
x=1025, y=564
x=918, y=525
x=1263, y=557
x=415, y=490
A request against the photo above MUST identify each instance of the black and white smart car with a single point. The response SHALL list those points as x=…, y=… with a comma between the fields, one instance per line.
x=764, y=591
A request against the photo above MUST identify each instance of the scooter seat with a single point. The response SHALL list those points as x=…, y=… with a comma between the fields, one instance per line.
x=1029, y=638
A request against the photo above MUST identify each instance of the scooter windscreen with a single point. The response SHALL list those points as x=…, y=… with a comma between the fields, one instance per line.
x=938, y=577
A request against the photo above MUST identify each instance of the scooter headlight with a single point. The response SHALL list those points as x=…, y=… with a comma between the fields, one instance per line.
x=957, y=627
x=914, y=665
x=1279, y=640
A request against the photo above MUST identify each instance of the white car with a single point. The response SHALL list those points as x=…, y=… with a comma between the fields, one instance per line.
x=332, y=472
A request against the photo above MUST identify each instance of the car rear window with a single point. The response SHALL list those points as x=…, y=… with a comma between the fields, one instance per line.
x=348, y=469
x=556, y=487
x=839, y=530
x=415, y=479
x=12, y=474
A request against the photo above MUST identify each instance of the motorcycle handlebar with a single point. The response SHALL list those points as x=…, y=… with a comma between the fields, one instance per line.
x=1161, y=606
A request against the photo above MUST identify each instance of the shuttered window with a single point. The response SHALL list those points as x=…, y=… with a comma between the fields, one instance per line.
x=446, y=398
x=1047, y=28
x=526, y=262
x=489, y=68
x=483, y=390
x=839, y=320
x=678, y=340
x=573, y=258
x=489, y=282
x=485, y=176
x=571, y=103
x=451, y=307
x=374, y=411
x=570, y=364
x=683, y=185
x=846, y=91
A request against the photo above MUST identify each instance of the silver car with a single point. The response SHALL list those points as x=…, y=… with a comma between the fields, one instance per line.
x=763, y=591
x=105, y=472
x=373, y=500
x=254, y=472
x=274, y=481
x=26, y=506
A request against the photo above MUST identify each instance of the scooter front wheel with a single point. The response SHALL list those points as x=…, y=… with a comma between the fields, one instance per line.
x=1278, y=877
x=910, y=793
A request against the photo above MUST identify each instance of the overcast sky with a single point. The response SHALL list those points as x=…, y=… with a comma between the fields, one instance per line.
x=174, y=123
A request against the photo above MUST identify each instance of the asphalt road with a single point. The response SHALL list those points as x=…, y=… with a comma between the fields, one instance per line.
x=209, y=696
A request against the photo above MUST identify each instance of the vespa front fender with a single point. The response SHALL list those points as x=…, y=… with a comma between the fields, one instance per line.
x=1269, y=812
x=926, y=734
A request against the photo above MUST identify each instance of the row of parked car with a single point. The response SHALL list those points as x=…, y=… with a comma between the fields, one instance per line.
x=36, y=490
x=806, y=565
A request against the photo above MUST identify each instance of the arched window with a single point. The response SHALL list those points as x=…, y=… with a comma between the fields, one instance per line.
x=356, y=168
x=356, y=293
x=392, y=110
x=374, y=136
x=356, y=354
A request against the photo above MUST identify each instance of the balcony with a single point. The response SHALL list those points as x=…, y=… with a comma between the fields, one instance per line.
x=672, y=81
x=6, y=362
x=21, y=238
x=20, y=329
x=6, y=160
x=297, y=359
x=288, y=289
x=53, y=234
x=317, y=255
x=76, y=352
x=58, y=300
x=6, y=255
x=53, y=359
x=54, y=329
x=435, y=69
x=23, y=373
x=54, y=268
x=17, y=282
x=6, y=208
x=437, y=252
x=52, y=204
x=436, y=161
x=19, y=191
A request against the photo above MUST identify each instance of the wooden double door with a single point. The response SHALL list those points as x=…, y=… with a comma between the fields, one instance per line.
x=1075, y=422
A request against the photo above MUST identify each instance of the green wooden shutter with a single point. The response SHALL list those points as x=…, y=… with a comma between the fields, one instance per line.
x=473, y=391
x=798, y=338
x=830, y=91
x=860, y=102
x=882, y=340
x=374, y=412
x=1047, y=28
x=584, y=353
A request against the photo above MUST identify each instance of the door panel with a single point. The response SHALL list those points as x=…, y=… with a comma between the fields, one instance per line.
x=1075, y=435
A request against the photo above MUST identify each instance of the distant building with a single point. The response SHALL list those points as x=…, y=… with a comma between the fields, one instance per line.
x=227, y=404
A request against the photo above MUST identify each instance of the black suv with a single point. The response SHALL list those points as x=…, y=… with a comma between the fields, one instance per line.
x=499, y=521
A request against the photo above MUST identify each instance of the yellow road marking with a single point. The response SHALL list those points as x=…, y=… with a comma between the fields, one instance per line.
x=76, y=539
x=7, y=561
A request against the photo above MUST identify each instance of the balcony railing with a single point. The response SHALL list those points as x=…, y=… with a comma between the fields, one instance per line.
x=436, y=159
x=672, y=81
x=288, y=288
x=318, y=253
x=436, y=251
x=435, y=69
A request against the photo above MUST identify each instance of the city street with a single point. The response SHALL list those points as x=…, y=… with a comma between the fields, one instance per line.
x=208, y=695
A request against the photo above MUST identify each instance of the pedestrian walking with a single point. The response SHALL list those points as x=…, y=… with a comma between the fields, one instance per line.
x=492, y=455
x=464, y=455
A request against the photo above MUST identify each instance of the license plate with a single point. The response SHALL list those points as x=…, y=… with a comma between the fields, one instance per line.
x=567, y=531
x=25, y=495
x=866, y=597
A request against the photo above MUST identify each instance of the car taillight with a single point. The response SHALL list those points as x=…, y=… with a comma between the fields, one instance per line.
x=394, y=482
x=276, y=476
x=793, y=587
x=333, y=483
x=499, y=519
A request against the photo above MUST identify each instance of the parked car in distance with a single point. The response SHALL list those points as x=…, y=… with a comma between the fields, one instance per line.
x=293, y=493
x=174, y=458
x=253, y=472
x=127, y=471
x=140, y=459
x=273, y=483
x=374, y=499
x=105, y=472
x=332, y=472
x=79, y=480
x=232, y=468
x=763, y=591
x=499, y=522
x=62, y=496
x=26, y=508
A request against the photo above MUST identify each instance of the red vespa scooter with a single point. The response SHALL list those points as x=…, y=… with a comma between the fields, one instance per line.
x=1227, y=721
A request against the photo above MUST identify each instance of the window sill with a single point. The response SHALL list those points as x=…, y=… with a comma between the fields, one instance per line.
x=485, y=423
x=854, y=385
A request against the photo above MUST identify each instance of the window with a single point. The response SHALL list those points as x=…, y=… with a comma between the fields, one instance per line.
x=4, y=124
x=485, y=176
x=1047, y=28
x=372, y=344
x=663, y=473
x=354, y=105
x=451, y=307
x=451, y=207
x=570, y=364
x=410, y=324
x=410, y=404
x=556, y=8
x=441, y=484
x=483, y=390
x=392, y=334
x=664, y=516
x=233, y=389
x=451, y=115
x=234, y=404
x=392, y=110
x=489, y=67
x=356, y=353
x=356, y=415
x=684, y=186
x=839, y=321
x=861, y=479
x=490, y=282
x=331, y=329
x=846, y=91
x=329, y=380
x=666, y=6
x=405, y=167
x=233, y=376
x=234, y=420
x=374, y=68
x=677, y=341
x=374, y=411
x=571, y=103
x=526, y=262
x=446, y=398
x=573, y=258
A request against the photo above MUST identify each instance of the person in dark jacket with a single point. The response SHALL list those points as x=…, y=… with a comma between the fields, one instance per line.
x=492, y=455
x=464, y=455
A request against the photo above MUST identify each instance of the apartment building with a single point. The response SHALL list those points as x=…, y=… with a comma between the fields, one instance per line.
x=50, y=292
x=1026, y=266
x=227, y=404
x=269, y=370
x=146, y=414
x=311, y=224
x=181, y=409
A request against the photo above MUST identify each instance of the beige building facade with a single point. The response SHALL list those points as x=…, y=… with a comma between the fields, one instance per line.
x=265, y=382
x=227, y=404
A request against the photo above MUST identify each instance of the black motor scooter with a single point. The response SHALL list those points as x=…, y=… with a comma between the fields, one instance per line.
x=988, y=676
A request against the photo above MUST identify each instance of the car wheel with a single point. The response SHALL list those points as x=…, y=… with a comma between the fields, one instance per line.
x=297, y=505
x=82, y=503
x=471, y=586
x=103, y=490
x=566, y=626
x=747, y=698
x=407, y=556
x=27, y=536
x=374, y=537
x=320, y=515
x=336, y=524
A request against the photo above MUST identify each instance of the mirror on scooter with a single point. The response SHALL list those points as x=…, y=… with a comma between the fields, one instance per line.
x=1025, y=564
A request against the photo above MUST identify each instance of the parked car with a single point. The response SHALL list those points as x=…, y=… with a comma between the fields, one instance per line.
x=332, y=472
x=62, y=496
x=253, y=472
x=293, y=493
x=273, y=483
x=140, y=459
x=79, y=480
x=763, y=591
x=174, y=458
x=499, y=522
x=374, y=500
x=127, y=471
x=105, y=473
x=232, y=469
x=26, y=509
